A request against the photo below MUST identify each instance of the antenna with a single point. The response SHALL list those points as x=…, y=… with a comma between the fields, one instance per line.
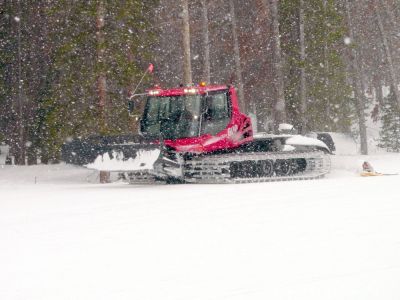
x=150, y=70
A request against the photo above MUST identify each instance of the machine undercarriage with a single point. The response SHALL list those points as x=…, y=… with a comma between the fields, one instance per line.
x=242, y=168
x=260, y=161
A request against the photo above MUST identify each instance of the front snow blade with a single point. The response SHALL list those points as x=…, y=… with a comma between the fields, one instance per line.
x=124, y=154
x=84, y=151
x=117, y=162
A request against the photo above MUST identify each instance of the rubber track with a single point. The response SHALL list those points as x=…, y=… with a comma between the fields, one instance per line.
x=213, y=169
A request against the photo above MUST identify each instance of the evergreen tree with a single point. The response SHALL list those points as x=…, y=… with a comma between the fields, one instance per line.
x=3, y=66
x=390, y=130
x=327, y=93
x=331, y=106
x=72, y=109
x=19, y=82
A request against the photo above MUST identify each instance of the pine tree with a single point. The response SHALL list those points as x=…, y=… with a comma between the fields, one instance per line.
x=3, y=67
x=356, y=75
x=23, y=71
x=279, y=111
x=329, y=93
x=390, y=130
x=72, y=108
x=328, y=105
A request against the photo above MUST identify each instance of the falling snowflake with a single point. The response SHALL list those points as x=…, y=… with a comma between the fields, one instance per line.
x=347, y=40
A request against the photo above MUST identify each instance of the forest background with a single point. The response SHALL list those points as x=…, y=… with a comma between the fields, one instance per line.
x=67, y=68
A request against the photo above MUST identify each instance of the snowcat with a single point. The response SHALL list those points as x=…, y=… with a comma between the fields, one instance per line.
x=198, y=134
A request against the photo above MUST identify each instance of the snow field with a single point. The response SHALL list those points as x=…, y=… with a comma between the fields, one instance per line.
x=67, y=237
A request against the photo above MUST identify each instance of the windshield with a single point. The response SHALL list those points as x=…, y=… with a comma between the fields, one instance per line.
x=176, y=116
x=186, y=115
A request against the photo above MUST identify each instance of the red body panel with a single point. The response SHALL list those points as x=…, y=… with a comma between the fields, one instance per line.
x=238, y=131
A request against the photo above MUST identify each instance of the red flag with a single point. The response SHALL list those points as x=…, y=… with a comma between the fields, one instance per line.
x=150, y=68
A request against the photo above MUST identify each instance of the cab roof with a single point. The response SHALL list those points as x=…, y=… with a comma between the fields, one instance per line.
x=188, y=90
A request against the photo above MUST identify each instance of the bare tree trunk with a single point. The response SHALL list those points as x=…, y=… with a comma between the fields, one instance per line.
x=303, y=91
x=357, y=84
x=396, y=9
x=238, y=67
x=187, y=67
x=389, y=58
x=206, y=41
x=104, y=177
x=326, y=69
x=378, y=90
x=20, y=145
x=264, y=4
x=279, y=114
x=264, y=110
x=377, y=85
x=389, y=12
x=101, y=79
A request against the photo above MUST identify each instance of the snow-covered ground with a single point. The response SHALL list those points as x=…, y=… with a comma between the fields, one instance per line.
x=64, y=236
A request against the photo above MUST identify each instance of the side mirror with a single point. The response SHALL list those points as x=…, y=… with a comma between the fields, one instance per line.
x=131, y=107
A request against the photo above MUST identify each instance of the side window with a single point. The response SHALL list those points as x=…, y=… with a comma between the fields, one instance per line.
x=217, y=106
x=152, y=110
x=217, y=113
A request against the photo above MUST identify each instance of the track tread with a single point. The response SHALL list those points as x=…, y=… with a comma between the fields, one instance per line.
x=210, y=169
